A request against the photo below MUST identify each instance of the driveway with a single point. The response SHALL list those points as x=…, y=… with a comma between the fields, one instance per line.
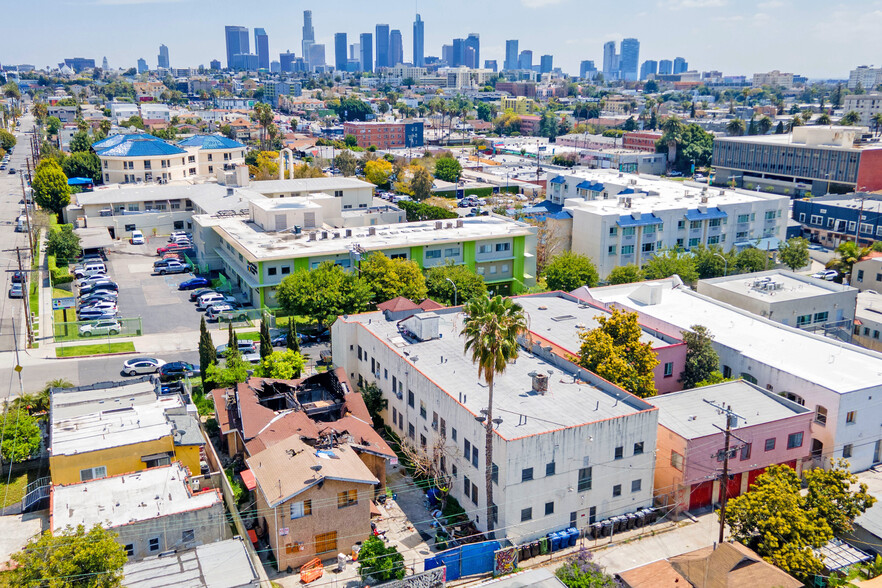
x=16, y=530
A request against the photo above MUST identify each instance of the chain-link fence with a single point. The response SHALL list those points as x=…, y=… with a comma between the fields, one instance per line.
x=97, y=328
x=244, y=317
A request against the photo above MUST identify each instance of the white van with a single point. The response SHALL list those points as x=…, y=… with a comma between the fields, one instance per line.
x=207, y=300
x=20, y=224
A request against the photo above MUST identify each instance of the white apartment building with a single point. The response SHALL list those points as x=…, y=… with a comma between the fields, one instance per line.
x=840, y=382
x=773, y=78
x=569, y=449
x=120, y=111
x=621, y=218
x=155, y=111
x=867, y=105
x=868, y=76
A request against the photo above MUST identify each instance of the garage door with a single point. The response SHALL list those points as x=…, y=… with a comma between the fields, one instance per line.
x=734, y=486
x=752, y=475
x=701, y=495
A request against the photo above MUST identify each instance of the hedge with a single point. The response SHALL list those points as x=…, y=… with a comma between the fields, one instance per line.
x=479, y=192
x=60, y=275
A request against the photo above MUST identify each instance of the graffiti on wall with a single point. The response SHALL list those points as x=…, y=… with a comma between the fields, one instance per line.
x=436, y=578
x=505, y=561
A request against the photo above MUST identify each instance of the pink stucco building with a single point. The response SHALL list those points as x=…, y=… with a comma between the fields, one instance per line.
x=689, y=457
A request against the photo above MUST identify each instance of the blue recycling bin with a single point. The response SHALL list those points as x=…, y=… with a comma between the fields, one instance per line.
x=572, y=536
x=555, y=541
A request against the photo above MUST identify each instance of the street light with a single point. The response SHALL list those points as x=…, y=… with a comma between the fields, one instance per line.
x=454, y=291
x=725, y=264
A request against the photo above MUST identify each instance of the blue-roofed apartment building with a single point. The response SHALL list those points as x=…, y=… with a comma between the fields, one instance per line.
x=832, y=219
x=620, y=219
x=144, y=158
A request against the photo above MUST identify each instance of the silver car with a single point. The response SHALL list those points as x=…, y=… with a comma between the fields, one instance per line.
x=101, y=327
x=142, y=365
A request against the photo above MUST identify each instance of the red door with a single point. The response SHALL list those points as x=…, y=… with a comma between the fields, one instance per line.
x=752, y=475
x=733, y=488
x=701, y=495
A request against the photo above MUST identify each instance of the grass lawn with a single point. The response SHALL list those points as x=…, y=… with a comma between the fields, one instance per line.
x=95, y=349
x=18, y=483
x=250, y=336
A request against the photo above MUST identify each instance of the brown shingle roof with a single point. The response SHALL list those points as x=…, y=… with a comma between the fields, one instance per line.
x=397, y=305
x=659, y=574
x=730, y=565
x=428, y=305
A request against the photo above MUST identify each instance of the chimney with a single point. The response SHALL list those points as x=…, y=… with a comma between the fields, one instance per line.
x=540, y=383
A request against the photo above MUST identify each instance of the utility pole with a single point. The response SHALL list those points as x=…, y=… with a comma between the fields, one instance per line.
x=24, y=194
x=731, y=418
x=24, y=294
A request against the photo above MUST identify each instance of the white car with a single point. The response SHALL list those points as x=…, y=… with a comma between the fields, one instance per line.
x=102, y=327
x=142, y=365
x=137, y=238
x=828, y=275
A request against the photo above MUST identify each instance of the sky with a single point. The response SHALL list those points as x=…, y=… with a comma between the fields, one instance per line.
x=818, y=39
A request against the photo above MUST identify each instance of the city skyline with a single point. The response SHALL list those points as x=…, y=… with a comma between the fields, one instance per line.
x=804, y=47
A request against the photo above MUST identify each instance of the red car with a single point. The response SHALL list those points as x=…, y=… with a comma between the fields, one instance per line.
x=171, y=247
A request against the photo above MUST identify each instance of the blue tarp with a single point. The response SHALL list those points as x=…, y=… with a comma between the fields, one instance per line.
x=712, y=213
x=465, y=560
x=80, y=181
x=645, y=219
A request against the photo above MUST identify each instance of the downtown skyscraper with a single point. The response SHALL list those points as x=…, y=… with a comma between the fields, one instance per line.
x=366, y=48
x=629, y=59
x=308, y=35
x=237, y=43
x=162, y=60
x=419, y=42
x=396, y=48
x=381, y=35
x=340, y=47
x=472, y=57
x=261, y=46
x=511, y=54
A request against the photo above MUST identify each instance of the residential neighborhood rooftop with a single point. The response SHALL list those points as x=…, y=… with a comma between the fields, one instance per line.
x=776, y=285
x=309, y=185
x=224, y=564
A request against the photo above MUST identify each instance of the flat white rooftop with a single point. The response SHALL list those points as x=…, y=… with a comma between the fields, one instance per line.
x=68, y=403
x=224, y=564
x=837, y=366
x=129, y=498
x=210, y=196
x=687, y=414
x=263, y=245
x=567, y=403
x=309, y=185
x=776, y=286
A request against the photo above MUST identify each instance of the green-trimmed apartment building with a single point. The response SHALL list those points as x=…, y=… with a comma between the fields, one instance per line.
x=282, y=236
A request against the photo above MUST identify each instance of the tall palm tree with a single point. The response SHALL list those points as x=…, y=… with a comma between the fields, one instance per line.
x=672, y=130
x=850, y=118
x=491, y=329
x=849, y=254
x=877, y=122
x=824, y=119
x=735, y=127
x=263, y=114
x=796, y=121
x=764, y=125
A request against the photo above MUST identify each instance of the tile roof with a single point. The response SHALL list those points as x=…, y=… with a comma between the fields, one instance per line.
x=210, y=142
x=658, y=574
x=137, y=146
x=428, y=305
x=397, y=305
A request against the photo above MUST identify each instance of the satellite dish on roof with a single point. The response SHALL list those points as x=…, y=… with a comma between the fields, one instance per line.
x=316, y=468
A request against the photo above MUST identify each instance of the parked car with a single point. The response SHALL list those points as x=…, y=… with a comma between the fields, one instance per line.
x=18, y=277
x=177, y=234
x=245, y=346
x=675, y=174
x=207, y=300
x=102, y=327
x=108, y=285
x=173, y=267
x=225, y=312
x=165, y=261
x=89, y=268
x=89, y=280
x=98, y=297
x=142, y=365
x=96, y=315
x=176, y=370
x=196, y=294
x=105, y=305
x=171, y=247
x=16, y=291
x=137, y=238
x=280, y=339
x=193, y=283
x=828, y=275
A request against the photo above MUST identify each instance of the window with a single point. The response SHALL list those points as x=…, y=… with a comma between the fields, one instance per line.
x=394, y=415
x=410, y=398
x=435, y=420
x=636, y=485
x=695, y=224
x=847, y=450
x=526, y=514
x=433, y=254
x=494, y=473
x=745, y=451
x=803, y=320
x=286, y=269
x=770, y=214
x=620, y=452
x=770, y=444
x=584, y=479
x=453, y=470
x=423, y=409
x=474, y=457
x=647, y=247
x=326, y=542
x=93, y=473
x=188, y=535
x=484, y=249
x=694, y=242
x=627, y=250
x=743, y=218
x=526, y=474
x=638, y=448
x=443, y=430
x=474, y=494
x=676, y=461
x=550, y=468
x=503, y=247
x=821, y=317
x=271, y=271
x=153, y=544
x=347, y=498
x=851, y=417
x=714, y=222
x=453, y=433
x=860, y=275
x=669, y=369
x=411, y=431
x=549, y=508
x=467, y=449
x=156, y=461
x=611, y=250
x=130, y=549
x=714, y=240
x=617, y=490
x=613, y=231
x=451, y=252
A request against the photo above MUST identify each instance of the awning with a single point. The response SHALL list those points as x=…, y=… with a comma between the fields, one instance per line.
x=590, y=186
x=80, y=181
x=558, y=180
x=248, y=479
x=645, y=219
x=94, y=237
x=711, y=213
x=766, y=244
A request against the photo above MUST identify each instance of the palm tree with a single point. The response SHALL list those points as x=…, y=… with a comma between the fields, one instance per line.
x=850, y=118
x=263, y=114
x=849, y=254
x=877, y=122
x=764, y=125
x=735, y=127
x=824, y=119
x=796, y=121
x=672, y=130
x=491, y=329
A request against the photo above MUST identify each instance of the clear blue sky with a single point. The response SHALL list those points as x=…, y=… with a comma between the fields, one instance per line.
x=809, y=37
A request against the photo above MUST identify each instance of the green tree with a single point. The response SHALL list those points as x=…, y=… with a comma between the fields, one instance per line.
x=353, y=109
x=377, y=172
x=568, y=271
x=491, y=328
x=133, y=121
x=751, y=260
x=282, y=365
x=850, y=118
x=379, y=563
x=580, y=571
x=7, y=140
x=625, y=274
x=712, y=261
x=53, y=124
x=672, y=135
x=823, y=119
x=292, y=341
x=234, y=370
x=50, y=186
x=82, y=164
x=650, y=87
x=80, y=142
x=764, y=125
x=794, y=253
x=63, y=243
x=207, y=353
x=701, y=359
x=735, y=127
x=836, y=496
x=484, y=112
x=263, y=114
x=417, y=211
x=71, y=558
x=375, y=403
x=266, y=344
x=346, y=163
x=421, y=184
x=390, y=278
x=21, y=436
x=849, y=254
x=350, y=141
x=669, y=262
x=715, y=377
x=324, y=293
x=468, y=284
x=448, y=169
x=614, y=351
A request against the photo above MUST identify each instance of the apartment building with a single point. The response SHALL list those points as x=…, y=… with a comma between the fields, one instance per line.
x=641, y=140
x=839, y=382
x=774, y=78
x=621, y=218
x=383, y=135
x=569, y=448
x=868, y=319
x=208, y=154
x=867, y=105
x=141, y=158
x=834, y=219
x=811, y=160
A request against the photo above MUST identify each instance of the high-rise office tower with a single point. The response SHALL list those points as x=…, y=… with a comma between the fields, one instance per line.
x=261, y=47
x=545, y=63
x=162, y=58
x=458, y=53
x=511, y=54
x=587, y=71
x=447, y=54
x=381, y=37
x=237, y=44
x=367, y=51
x=680, y=65
x=648, y=68
x=396, y=48
x=340, y=58
x=419, y=46
x=308, y=33
x=525, y=60
x=104, y=65
x=275, y=67
x=610, y=60
x=287, y=60
x=629, y=59
x=473, y=58
x=316, y=56
x=214, y=64
x=142, y=65
x=491, y=65
x=665, y=67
